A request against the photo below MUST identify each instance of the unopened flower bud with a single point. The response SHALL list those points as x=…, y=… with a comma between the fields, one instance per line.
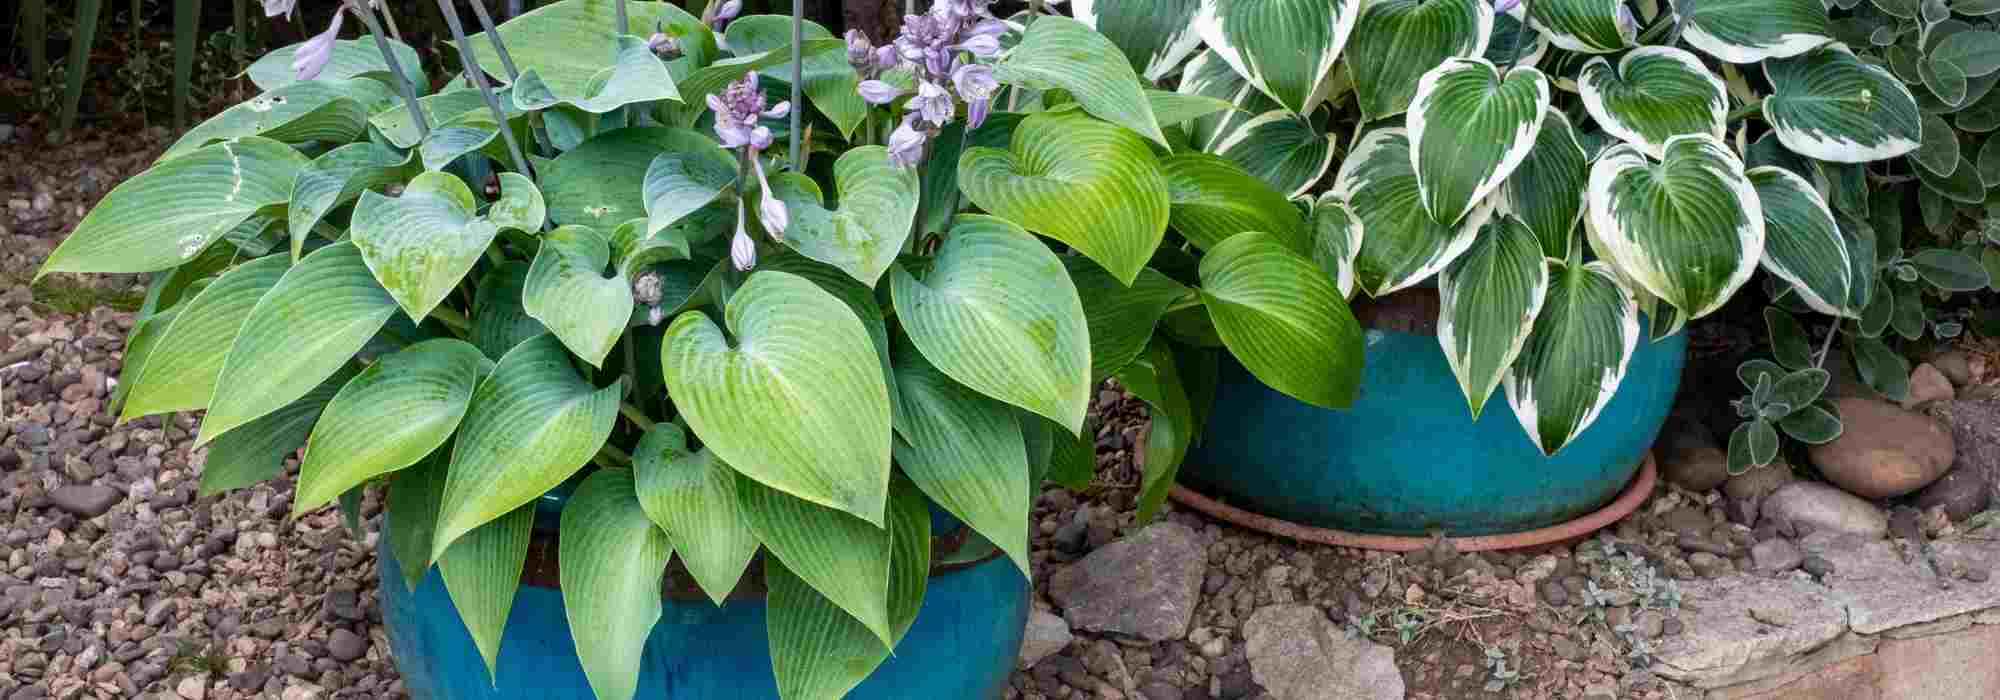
x=313, y=56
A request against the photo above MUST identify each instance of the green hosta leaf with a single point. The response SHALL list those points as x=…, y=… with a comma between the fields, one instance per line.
x=1282, y=317
x=1073, y=462
x=829, y=80
x=817, y=649
x=1584, y=26
x=679, y=184
x=1748, y=31
x=966, y=452
x=258, y=451
x=472, y=134
x=316, y=317
x=1209, y=76
x=1514, y=42
x=1091, y=185
x=531, y=424
x=461, y=106
x=1120, y=318
x=1173, y=108
x=843, y=557
x=1286, y=48
x=601, y=183
x=612, y=559
x=567, y=291
x=499, y=319
x=635, y=76
x=1402, y=245
x=1470, y=127
x=1546, y=191
x=1155, y=378
x=1950, y=270
x=878, y=202
x=798, y=402
x=412, y=515
x=1829, y=105
x=399, y=409
x=339, y=176
x=168, y=214
x=420, y=244
x=1802, y=243
x=350, y=58
x=1655, y=94
x=1816, y=424
x=1336, y=240
x=332, y=111
x=568, y=44
x=1687, y=229
x=1282, y=149
x=998, y=313
x=1397, y=41
x=1576, y=356
x=1213, y=199
x=1155, y=36
x=694, y=494
x=482, y=571
x=859, y=299
x=1064, y=53
x=1489, y=299
x=182, y=366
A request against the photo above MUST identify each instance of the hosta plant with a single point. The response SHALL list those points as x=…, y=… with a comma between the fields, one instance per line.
x=745, y=286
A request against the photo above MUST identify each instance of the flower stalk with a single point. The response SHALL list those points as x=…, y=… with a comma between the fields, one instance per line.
x=478, y=76
x=361, y=9
x=798, y=78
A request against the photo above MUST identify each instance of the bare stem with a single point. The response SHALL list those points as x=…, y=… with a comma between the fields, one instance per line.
x=390, y=19
x=360, y=9
x=1827, y=346
x=513, y=74
x=798, y=79
x=485, y=88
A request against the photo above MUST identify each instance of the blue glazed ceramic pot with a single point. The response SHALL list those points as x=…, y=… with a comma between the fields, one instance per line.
x=1407, y=458
x=964, y=643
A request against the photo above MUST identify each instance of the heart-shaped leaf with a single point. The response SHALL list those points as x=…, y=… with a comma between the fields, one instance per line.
x=1397, y=41
x=817, y=649
x=1064, y=53
x=1687, y=229
x=1155, y=36
x=1402, y=245
x=997, y=313
x=310, y=324
x=338, y=176
x=567, y=291
x=1584, y=26
x=1748, y=31
x=1206, y=75
x=1656, y=93
x=635, y=76
x=859, y=299
x=1120, y=318
x=694, y=494
x=1469, y=128
x=420, y=244
x=390, y=416
x=1576, y=355
x=679, y=184
x=1336, y=236
x=601, y=182
x=1280, y=148
x=1546, y=192
x=1286, y=48
x=1488, y=300
x=1282, y=317
x=349, y=58
x=612, y=557
x=1829, y=105
x=531, y=424
x=568, y=45
x=168, y=214
x=878, y=202
x=966, y=452
x=482, y=571
x=1089, y=184
x=331, y=111
x=1214, y=199
x=843, y=557
x=798, y=402
x=181, y=368
x=1802, y=244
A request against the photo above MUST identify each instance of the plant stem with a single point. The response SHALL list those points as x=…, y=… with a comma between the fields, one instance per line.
x=485, y=88
x=618, y=456
x=1745, y=111
x=507, y=64
x=798, y=79
x=636, y=415
x=35, y=32
x=452, y=319
x=360, y=9
x=1827, y=346
x=624, y=25
x=390, y=19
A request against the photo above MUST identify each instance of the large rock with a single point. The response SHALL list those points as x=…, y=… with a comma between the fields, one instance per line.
x=1045, y=634
x=1962, y=493
x=1975, y=433
x=1296, y=653
x=1691, y=457
x=1927, y=384
x=1145, y=585
x=1883, y=451
x=1956, y=366
x=1825, y=508
x=1745, y=492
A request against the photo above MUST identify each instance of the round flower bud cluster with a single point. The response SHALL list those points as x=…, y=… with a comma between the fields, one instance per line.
x=737, y=110
x=935, y=46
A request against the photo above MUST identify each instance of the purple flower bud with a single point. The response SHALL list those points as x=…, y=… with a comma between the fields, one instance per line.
x=312, y=56
x=1626, y=23
x=877, y=92
x=729, y=10
x=933, y=103
x=742, y=248
x=885, y=57
x=975, y=112
x=779, y=111
x=906, y=145
x=1501, y=7
x=984, y=45
x=663, y=45
x=288, y=8
x=859, y=50
x=760, y=138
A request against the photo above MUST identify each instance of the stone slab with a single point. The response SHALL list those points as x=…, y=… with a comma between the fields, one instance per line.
x=1961, y=665
x=1725, y=646
x=1849, y=679
x=1882, y=592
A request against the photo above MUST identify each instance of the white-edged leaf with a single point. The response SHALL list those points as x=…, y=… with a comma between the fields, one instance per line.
x=1059, y=52
x=1286, y=48
x=1829, y=105
x=1584, y=26
x=1654, y=94
x=1687, y=229
x=1546, y=191
x=1748, y=31
x=1155, y=36
x=612, y=560
x=1401, y=244
x=1576, y=356
x=1802, y=243
x=1284, y=319
x=1336, y=236
x=1469, y=128
x=1397, y=41
x=1209, y=76
x=1488, y=301
x=390, y=416
x=1283, y=149
x=694, y=494
x=567, y=291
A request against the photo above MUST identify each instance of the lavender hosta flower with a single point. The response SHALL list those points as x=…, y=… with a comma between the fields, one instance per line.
x=663, y=46
x=906, y=144
x=885, y=57
x=933, y=103
x=860, y=51
x=976, y=84
x=981, y=45
x=312, y=57
x=288, y=8
x=770, y=210
x=728, y=11
x=742, y=248
x=737, y=110
x=876, y=92
x=1501, y=7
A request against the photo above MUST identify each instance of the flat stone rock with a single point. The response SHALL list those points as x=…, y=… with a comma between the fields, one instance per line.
x=1825, y=508
x=1883, y=450
x=85, y=501
x=1145, y=585
x=1962, y=493
x=1045, y=634
x=1724, y=645
x=1777, y=555
x=1296, y=653
x=1975, y=432
x=1882, y=592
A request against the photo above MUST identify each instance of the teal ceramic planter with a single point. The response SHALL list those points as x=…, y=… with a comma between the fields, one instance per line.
x=1407, y=459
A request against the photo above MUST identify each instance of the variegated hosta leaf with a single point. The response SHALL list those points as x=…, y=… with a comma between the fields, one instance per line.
x=1282, y=149
x=966, y=452
x=612, y=556
x=1209, y=76
x=168, y=214
x=878, y=201
x=1282, y=317
x=331, y=110
x=1748, y=31
x=482, y=571
x=1214, y=199
x=1063, y=53
x=1546, y=192
x=419, y=245
x=1687, y=229
x=1470, y=127
x=1401, y=244
x=1829, y=105
x=636, y=75
x=532, y=423
x=694, y=494
x=1656, y=93
x=1286, y=48
x=794, y=397
x=339, y=176
x=1576, y=356
x=1489, y=299
x=1397, y=41
x=392, y=414
x=1336, y=240
x=1584, y=26
x=1155, y=36
x=1514, y=42
x=568, y=44
x=1087, y=183
x=181, y=368
x=1802, y=243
